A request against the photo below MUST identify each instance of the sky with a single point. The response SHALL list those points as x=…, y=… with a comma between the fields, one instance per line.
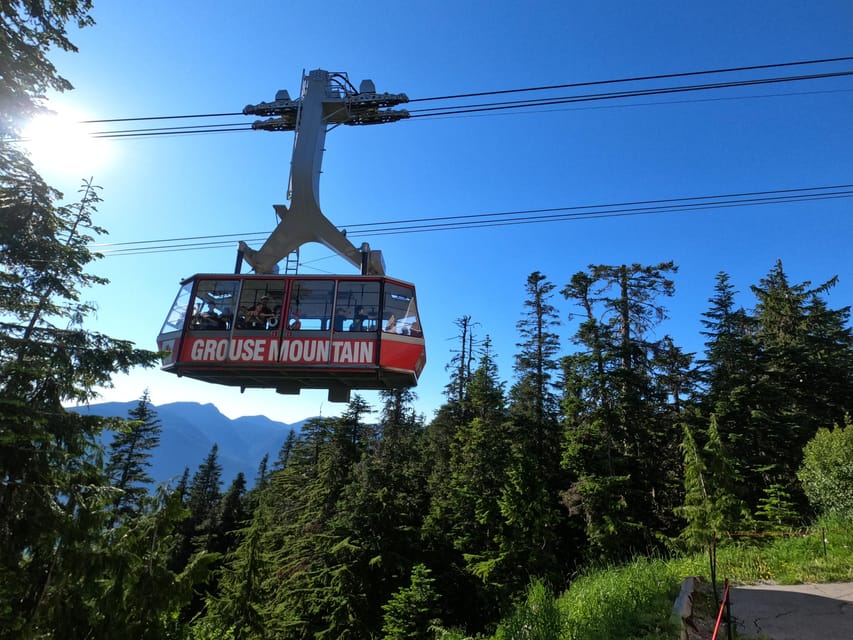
x=165, y=58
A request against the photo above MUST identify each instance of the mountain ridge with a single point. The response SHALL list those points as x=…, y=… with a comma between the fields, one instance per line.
x=189, y=431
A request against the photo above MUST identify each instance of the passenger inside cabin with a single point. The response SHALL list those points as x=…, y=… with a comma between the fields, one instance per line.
x=391, y=325
x=340, y=316
x=210, y=318
x=258, y=315
x=213, y=317
x=360, y=320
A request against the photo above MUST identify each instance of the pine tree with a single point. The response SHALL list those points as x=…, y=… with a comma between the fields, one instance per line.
x=31, y=32
x=63, y=571
x=729, y=351
x=622, y=407
x=140, y=597
x=232, y=517
x=198, y=533
x=711, y=507
x=243, y=585
x=380, y=513
x=262, y=481
x=533, y=400
x=262, y=477
x=318, y=588
x=465, y=516
x=460, y=365
x=807, y=372
x=532, y=520
x=410, y=612
x=204, y=499
x=773, y=378
x=285, y=451
x=54, y=490
x=129, y=456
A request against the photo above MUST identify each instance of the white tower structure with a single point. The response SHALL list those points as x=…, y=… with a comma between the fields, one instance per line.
x=327, y=99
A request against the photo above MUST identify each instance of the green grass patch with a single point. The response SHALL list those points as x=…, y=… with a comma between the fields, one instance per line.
x=792, y=558
x=634, y=601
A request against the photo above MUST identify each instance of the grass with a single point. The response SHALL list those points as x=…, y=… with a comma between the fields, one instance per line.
x=634, y=601
x=792, y=559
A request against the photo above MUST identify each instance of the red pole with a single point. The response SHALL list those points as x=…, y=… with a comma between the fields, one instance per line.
x=722, y=608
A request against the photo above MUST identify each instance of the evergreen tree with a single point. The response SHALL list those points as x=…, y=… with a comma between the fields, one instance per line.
x=285, y=451
x=243, y=585
x=711, y=507
x=455, y=411
x=232, y=517
x=199, y=535
x=262, y=476
x=622, y=407
x=140, y=597
x=729, y=353
x=465, y=516
x=776, y=510
x=183, y=486
x=460, y=365
x=262, y=480
x=533, y=400
x=532, y=520
x=410, y=613
x=31, y=31
x=380, y=513
x=774, y=378
x=129, y=457
x=204, y=500
x=806, y=372
x=318, y=587
x=53, y=492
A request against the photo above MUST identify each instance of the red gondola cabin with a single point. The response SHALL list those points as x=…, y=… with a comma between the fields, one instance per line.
x=295, y=332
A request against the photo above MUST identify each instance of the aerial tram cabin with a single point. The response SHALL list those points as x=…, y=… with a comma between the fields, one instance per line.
x=295, y=332
x=292, y=332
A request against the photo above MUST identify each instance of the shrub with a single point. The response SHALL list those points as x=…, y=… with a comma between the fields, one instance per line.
x=827, y=471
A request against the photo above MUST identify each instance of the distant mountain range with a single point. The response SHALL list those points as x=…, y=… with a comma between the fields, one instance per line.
x=191, y=429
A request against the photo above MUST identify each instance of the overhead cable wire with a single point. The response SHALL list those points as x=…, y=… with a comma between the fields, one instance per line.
x=571, y=85
x=661, y=76
x=95, y=134
x=143, y=133
x=143, y=118
x=613, y=213
x=638, y=92
x=506, y=105
x=433, y=112
x=518, y=217
x=539, y=102
x=663, y=201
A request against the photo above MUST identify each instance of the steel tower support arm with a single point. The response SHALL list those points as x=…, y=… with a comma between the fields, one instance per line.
x=320, y=103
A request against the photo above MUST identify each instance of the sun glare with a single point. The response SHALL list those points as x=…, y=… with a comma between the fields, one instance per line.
x=61, y=144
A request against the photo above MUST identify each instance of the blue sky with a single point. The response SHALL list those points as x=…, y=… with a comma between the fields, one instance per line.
x=159, y=58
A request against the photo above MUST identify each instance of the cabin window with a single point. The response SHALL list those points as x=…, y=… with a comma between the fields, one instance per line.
x=311, y=305
x=178, y=313
x=400, y=311
x=357, y=306
x=261, y=303
x=214, y=304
